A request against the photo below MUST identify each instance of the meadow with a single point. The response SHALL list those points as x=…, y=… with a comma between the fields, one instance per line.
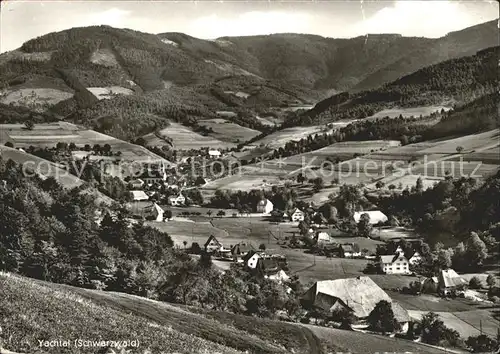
x=49, y=134
x=408, y=112
x=183, y=138
x=227, y=131
x=281, y=137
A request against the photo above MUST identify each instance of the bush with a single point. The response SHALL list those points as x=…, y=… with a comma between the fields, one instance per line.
x=475, y=283
x=481, y=344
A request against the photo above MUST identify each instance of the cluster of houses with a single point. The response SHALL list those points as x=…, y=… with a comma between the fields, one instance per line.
x=272, y=266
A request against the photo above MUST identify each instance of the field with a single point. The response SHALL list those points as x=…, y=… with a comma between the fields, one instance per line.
x=281, y=137
x=34, y=97
x=343, y=150
x=339, y=341
x=185, y=139
x=227, y=131
x=467, y=323
x=408, y=112
x=48, y=135
x=109, y=91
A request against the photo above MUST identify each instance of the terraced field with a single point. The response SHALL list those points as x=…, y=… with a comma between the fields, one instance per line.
x=49, y=134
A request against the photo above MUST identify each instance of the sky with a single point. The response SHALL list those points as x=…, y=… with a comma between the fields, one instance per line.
x=23, y=20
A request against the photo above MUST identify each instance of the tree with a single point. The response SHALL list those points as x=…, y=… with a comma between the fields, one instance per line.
x=168, y=214
x=221, y=213
x=184, y=243
x=29, y=124
x=433, y=330
x=344, y=316
x=364, y=227
x=300, y=178
x=209, y=213
x=475, y=283
x=9, y=144
x=379, y=184
x=419, y=186
x=490, y=280
x=476, y=251
x=381, y=318
x=318, y=184
x=482, y=344
x=262, y=247
x=460, y=149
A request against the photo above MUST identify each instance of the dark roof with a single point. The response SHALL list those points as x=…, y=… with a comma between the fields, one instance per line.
x=212, y=237
x=151, y=174
x=242, y=247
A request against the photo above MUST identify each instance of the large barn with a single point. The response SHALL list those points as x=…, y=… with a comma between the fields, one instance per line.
x=359, y=295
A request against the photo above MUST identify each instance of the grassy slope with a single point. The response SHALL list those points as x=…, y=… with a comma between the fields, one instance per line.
x=48, y=311
x=33, y=311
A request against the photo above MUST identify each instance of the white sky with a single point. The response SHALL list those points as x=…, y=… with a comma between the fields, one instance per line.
x=23, y=20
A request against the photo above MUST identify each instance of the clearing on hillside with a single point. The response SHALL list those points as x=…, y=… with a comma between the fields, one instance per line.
x=281, y=137
x=183, y=138
x=408, y=112
x=227, y=131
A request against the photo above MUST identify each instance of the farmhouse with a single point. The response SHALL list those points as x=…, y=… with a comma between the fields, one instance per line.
x=212, y=244
x=139, y=195
x=213, y=154
x=415, y=258
x=154, y=212
x=241, y=249
x=251, y=259
x=297, y=215
x=323, y=238
x=376, y=216
x=136, y=183
x=264, y=206
x=449, y=281
x=349, y=250
x=359, y=295
x=394, y=264
x=178, y=200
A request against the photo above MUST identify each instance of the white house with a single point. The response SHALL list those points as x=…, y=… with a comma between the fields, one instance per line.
x=139, y=195
x=213, y=154
x=212, y=244
x=449, y=281
x=376, y=216
x=253, y=260
x=323, y=237
x=297, y=215
x=154, y=212
x=178, y=200
x=350, y=250
x=136, y=183
x=265, y=206
x=394, y=264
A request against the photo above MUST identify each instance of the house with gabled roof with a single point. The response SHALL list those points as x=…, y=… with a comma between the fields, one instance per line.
x=239, y=250
x=264, y=206
x=376, y=216
x=154, y=212
x=138, y=196
x=449, y=281
x=394, y=264
x=177, y=200
x=297, y=215
x=358, y=295
x=349, y=250
x=213, y=245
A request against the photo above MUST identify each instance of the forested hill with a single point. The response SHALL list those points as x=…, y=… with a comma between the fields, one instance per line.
x=453, y=82
x=150, y=79
x=455, y=44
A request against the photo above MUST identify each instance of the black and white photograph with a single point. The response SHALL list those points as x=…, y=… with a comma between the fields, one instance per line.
x=249, y=177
